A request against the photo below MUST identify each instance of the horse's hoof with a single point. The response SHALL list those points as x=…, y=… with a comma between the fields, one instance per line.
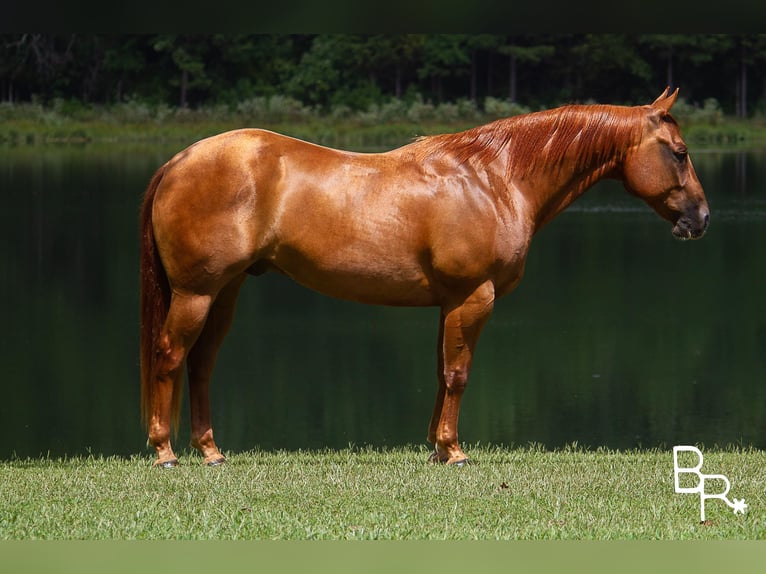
x=435, y=459
x=217, y=462
x=172, y=463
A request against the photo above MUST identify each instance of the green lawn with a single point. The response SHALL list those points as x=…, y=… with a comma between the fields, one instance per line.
x=508, y=494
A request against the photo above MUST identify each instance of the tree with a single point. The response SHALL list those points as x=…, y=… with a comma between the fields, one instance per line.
x=123, y=59
x=14, y=52
x=609, y=67
x=444, y=56
x=356, y=70
x=669, y=46
x=242, y=66
x=187, y=53
x=42, y=60
x=520, y=50
x=684, y=52
x=391, y=56
x=751, y=49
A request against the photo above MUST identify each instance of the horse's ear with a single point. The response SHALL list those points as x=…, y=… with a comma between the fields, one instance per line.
x=665, y=101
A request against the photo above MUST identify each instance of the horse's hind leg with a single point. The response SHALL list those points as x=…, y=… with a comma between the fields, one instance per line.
x=200, y=368
x=183, y=325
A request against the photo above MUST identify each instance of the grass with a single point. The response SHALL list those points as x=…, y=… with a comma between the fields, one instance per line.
x=360, y=494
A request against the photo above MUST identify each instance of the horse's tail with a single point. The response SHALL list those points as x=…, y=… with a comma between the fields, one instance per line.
x=154, y=302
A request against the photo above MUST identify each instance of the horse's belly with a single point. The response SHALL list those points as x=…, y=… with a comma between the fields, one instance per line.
x=373, y=280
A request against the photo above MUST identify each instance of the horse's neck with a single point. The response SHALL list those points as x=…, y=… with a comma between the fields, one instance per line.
x=550, y=188
x=548, y=196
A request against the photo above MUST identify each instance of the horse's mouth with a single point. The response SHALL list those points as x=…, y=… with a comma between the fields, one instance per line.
x=687, y=228
x=685, y=233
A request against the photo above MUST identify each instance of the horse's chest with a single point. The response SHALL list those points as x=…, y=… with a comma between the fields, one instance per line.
x=509, y=267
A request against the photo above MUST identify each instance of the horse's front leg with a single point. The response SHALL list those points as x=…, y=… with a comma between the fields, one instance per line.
x=459, y=332
x=200, y=367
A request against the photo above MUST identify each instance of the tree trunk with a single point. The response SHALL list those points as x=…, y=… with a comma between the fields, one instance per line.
x=670, y=67
x=763, y=96
x=437, y=87
x=743, y=85
x=512, y=80
x=184, y=86
x=737, y=98
x=489, y=74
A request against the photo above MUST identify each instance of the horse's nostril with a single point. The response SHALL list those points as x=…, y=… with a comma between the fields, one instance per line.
x=706, y=219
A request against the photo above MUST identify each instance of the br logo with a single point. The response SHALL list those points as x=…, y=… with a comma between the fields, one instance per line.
x=702, y=480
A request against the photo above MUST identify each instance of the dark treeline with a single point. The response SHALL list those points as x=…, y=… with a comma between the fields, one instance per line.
x=332, y=70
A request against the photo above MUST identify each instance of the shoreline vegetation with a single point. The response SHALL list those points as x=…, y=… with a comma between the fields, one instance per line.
x=392, y=123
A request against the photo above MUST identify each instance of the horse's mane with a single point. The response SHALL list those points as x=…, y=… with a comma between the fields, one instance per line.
x=590, y=134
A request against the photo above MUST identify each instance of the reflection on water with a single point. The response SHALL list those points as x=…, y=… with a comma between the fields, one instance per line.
x=618, y=335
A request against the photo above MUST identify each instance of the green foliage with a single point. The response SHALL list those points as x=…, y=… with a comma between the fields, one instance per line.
x=356, y=71
x=273, y=109
x=709, y=113
x=496, y=108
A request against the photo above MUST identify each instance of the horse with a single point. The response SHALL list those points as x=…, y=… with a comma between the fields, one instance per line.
x=443, y=221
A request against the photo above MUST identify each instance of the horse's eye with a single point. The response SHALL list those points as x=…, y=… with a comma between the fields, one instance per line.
x=681, y=154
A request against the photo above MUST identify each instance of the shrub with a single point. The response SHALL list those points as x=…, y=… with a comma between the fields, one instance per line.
x=273, y=109
x=495, y=108
x=420, y=110
x=131, y=110
x=394, y=110
x=468, y=110
x=710, y=113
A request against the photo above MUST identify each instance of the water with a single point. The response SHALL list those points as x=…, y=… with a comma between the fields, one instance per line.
x=618, y=336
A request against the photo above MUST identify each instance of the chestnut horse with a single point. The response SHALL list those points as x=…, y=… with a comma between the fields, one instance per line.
x=444, y=221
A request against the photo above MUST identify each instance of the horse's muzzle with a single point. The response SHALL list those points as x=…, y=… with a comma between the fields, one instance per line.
x=692, y=226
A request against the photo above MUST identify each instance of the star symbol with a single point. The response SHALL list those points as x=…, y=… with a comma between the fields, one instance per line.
x=739, y=506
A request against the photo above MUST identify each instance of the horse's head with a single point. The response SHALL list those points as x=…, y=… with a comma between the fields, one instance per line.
x=659, y=170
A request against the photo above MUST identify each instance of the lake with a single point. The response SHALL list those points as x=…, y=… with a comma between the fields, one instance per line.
x=618, y=336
